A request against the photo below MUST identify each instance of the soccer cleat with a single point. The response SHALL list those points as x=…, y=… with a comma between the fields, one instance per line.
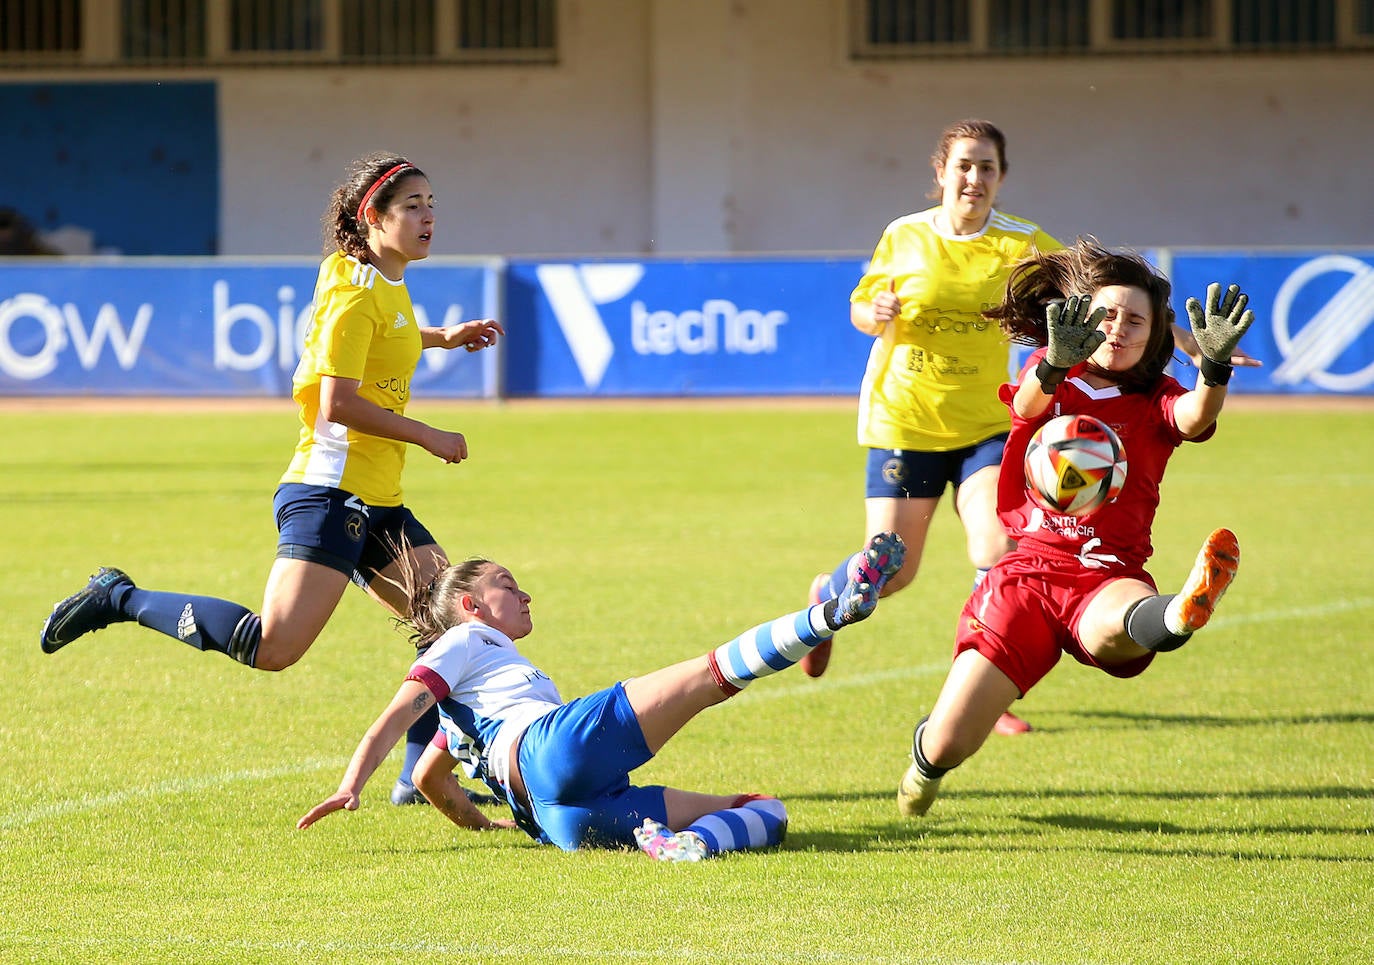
x=663, y=845
x=84, y=612
x=917, y=792
x=403, y=793
x=818, y=657
x=1010, y=725
x=880, y=560
x=1212, y=573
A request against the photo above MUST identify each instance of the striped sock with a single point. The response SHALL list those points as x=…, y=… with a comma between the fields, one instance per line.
x=768, y=648
x=755, y=821
x=841, y=575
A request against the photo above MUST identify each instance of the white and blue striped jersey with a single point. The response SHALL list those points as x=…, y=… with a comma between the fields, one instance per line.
x=488, y=689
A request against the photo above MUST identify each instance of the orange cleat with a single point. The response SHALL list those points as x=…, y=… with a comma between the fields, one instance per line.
x=1213, y=572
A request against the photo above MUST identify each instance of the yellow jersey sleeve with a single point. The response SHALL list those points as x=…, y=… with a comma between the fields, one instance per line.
x=932, y=376
x=363, y=328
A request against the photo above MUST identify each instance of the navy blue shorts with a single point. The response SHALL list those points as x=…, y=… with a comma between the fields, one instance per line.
x=576, y=762
x=329, y=526
x=904, y=474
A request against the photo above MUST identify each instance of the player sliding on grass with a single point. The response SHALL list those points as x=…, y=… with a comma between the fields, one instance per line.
x=564, y=767
x=1079, y=586
x=338, y=506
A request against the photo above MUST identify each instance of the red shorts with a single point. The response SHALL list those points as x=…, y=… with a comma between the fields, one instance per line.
x=1026, y=613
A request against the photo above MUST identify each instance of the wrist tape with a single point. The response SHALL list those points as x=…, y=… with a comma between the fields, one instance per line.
x=1050, y=375
x=1214, y=372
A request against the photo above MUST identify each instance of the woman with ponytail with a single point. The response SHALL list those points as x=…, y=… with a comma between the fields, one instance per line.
x=339, y=509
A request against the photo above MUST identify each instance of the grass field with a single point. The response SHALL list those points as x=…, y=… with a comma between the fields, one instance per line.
x=1219, y=808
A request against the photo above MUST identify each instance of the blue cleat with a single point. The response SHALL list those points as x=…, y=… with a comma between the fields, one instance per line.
x=84, y=612
x=880, y=560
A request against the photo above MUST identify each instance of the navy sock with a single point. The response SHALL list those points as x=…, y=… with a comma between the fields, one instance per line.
x=418, y=736
x=203, y=622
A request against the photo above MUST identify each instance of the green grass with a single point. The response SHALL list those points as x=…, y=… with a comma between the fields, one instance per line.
x=1217, y=809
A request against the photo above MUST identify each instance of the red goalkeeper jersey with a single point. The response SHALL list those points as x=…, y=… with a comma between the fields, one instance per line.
x=1117, y=535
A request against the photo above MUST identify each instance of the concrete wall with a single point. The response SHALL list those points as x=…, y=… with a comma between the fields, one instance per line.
x=743, y=126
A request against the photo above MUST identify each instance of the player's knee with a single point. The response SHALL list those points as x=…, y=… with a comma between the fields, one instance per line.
x=984, y=553
x=901, y=579
x=275, y=657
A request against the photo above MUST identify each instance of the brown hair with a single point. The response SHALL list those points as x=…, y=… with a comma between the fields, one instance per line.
x=1084, y=269
x=974, y=128
x=434, y=608
x=380, y=174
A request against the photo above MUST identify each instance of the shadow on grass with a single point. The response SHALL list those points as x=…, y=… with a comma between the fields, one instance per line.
x=1207, y=720
x=1026, y=832
x=1333, y=793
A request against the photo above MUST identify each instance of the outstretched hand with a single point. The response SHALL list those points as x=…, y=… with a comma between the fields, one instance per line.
x=1219, y=326
x=473, y=335
x=338, y=801
x=1073, y=334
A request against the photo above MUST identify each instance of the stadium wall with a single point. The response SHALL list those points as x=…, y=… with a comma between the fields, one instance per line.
x=721, y=127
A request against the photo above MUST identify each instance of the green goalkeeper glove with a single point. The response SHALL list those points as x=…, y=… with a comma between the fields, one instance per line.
x=1073, y=336
x=1218, y=329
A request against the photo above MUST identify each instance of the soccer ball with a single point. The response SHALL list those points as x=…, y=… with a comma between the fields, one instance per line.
x=1075, y=465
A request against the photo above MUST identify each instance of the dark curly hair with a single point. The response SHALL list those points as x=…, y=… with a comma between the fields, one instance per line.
x=343, y=229
x=1083, y=269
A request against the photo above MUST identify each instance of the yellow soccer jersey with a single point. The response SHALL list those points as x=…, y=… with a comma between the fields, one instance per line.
x=932, y=376
x=363, y=328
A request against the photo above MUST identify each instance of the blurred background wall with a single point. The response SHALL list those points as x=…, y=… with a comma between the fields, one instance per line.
x=585, y=127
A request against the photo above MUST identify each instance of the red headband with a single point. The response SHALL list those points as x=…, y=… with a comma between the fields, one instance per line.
x=367, y=196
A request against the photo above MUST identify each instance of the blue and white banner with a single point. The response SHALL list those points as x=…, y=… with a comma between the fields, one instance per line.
x=667, y=328
x=204, y=327
x=593, y=328
x=1314, y=315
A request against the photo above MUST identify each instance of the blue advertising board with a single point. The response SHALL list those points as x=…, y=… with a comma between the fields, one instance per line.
x=666, y=327
x=683, y=327
x=203, y=327
x=1314, y=315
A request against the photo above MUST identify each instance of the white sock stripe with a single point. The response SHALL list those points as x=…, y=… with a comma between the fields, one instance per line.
x=733, y=829
x=816, y=617
x=768, y=647
x=787, y=641
x=770, y=806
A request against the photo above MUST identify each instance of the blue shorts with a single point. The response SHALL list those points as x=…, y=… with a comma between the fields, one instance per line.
x=576, y=763
x=329, y=526
x=905, y=474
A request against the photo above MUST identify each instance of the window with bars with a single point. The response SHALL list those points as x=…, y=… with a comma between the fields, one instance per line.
x=230, y=32
x=271, y=25
x=28, y=26
x=906, y=28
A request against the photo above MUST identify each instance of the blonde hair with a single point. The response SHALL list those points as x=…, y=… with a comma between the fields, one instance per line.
x=435, y=607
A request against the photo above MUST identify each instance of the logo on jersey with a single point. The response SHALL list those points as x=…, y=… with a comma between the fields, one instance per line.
x=401, y=321
x=1311, y=350
x=574, y=292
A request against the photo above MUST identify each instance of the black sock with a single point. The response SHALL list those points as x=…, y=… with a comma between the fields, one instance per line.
x=1145, y=625
x=927, y=769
